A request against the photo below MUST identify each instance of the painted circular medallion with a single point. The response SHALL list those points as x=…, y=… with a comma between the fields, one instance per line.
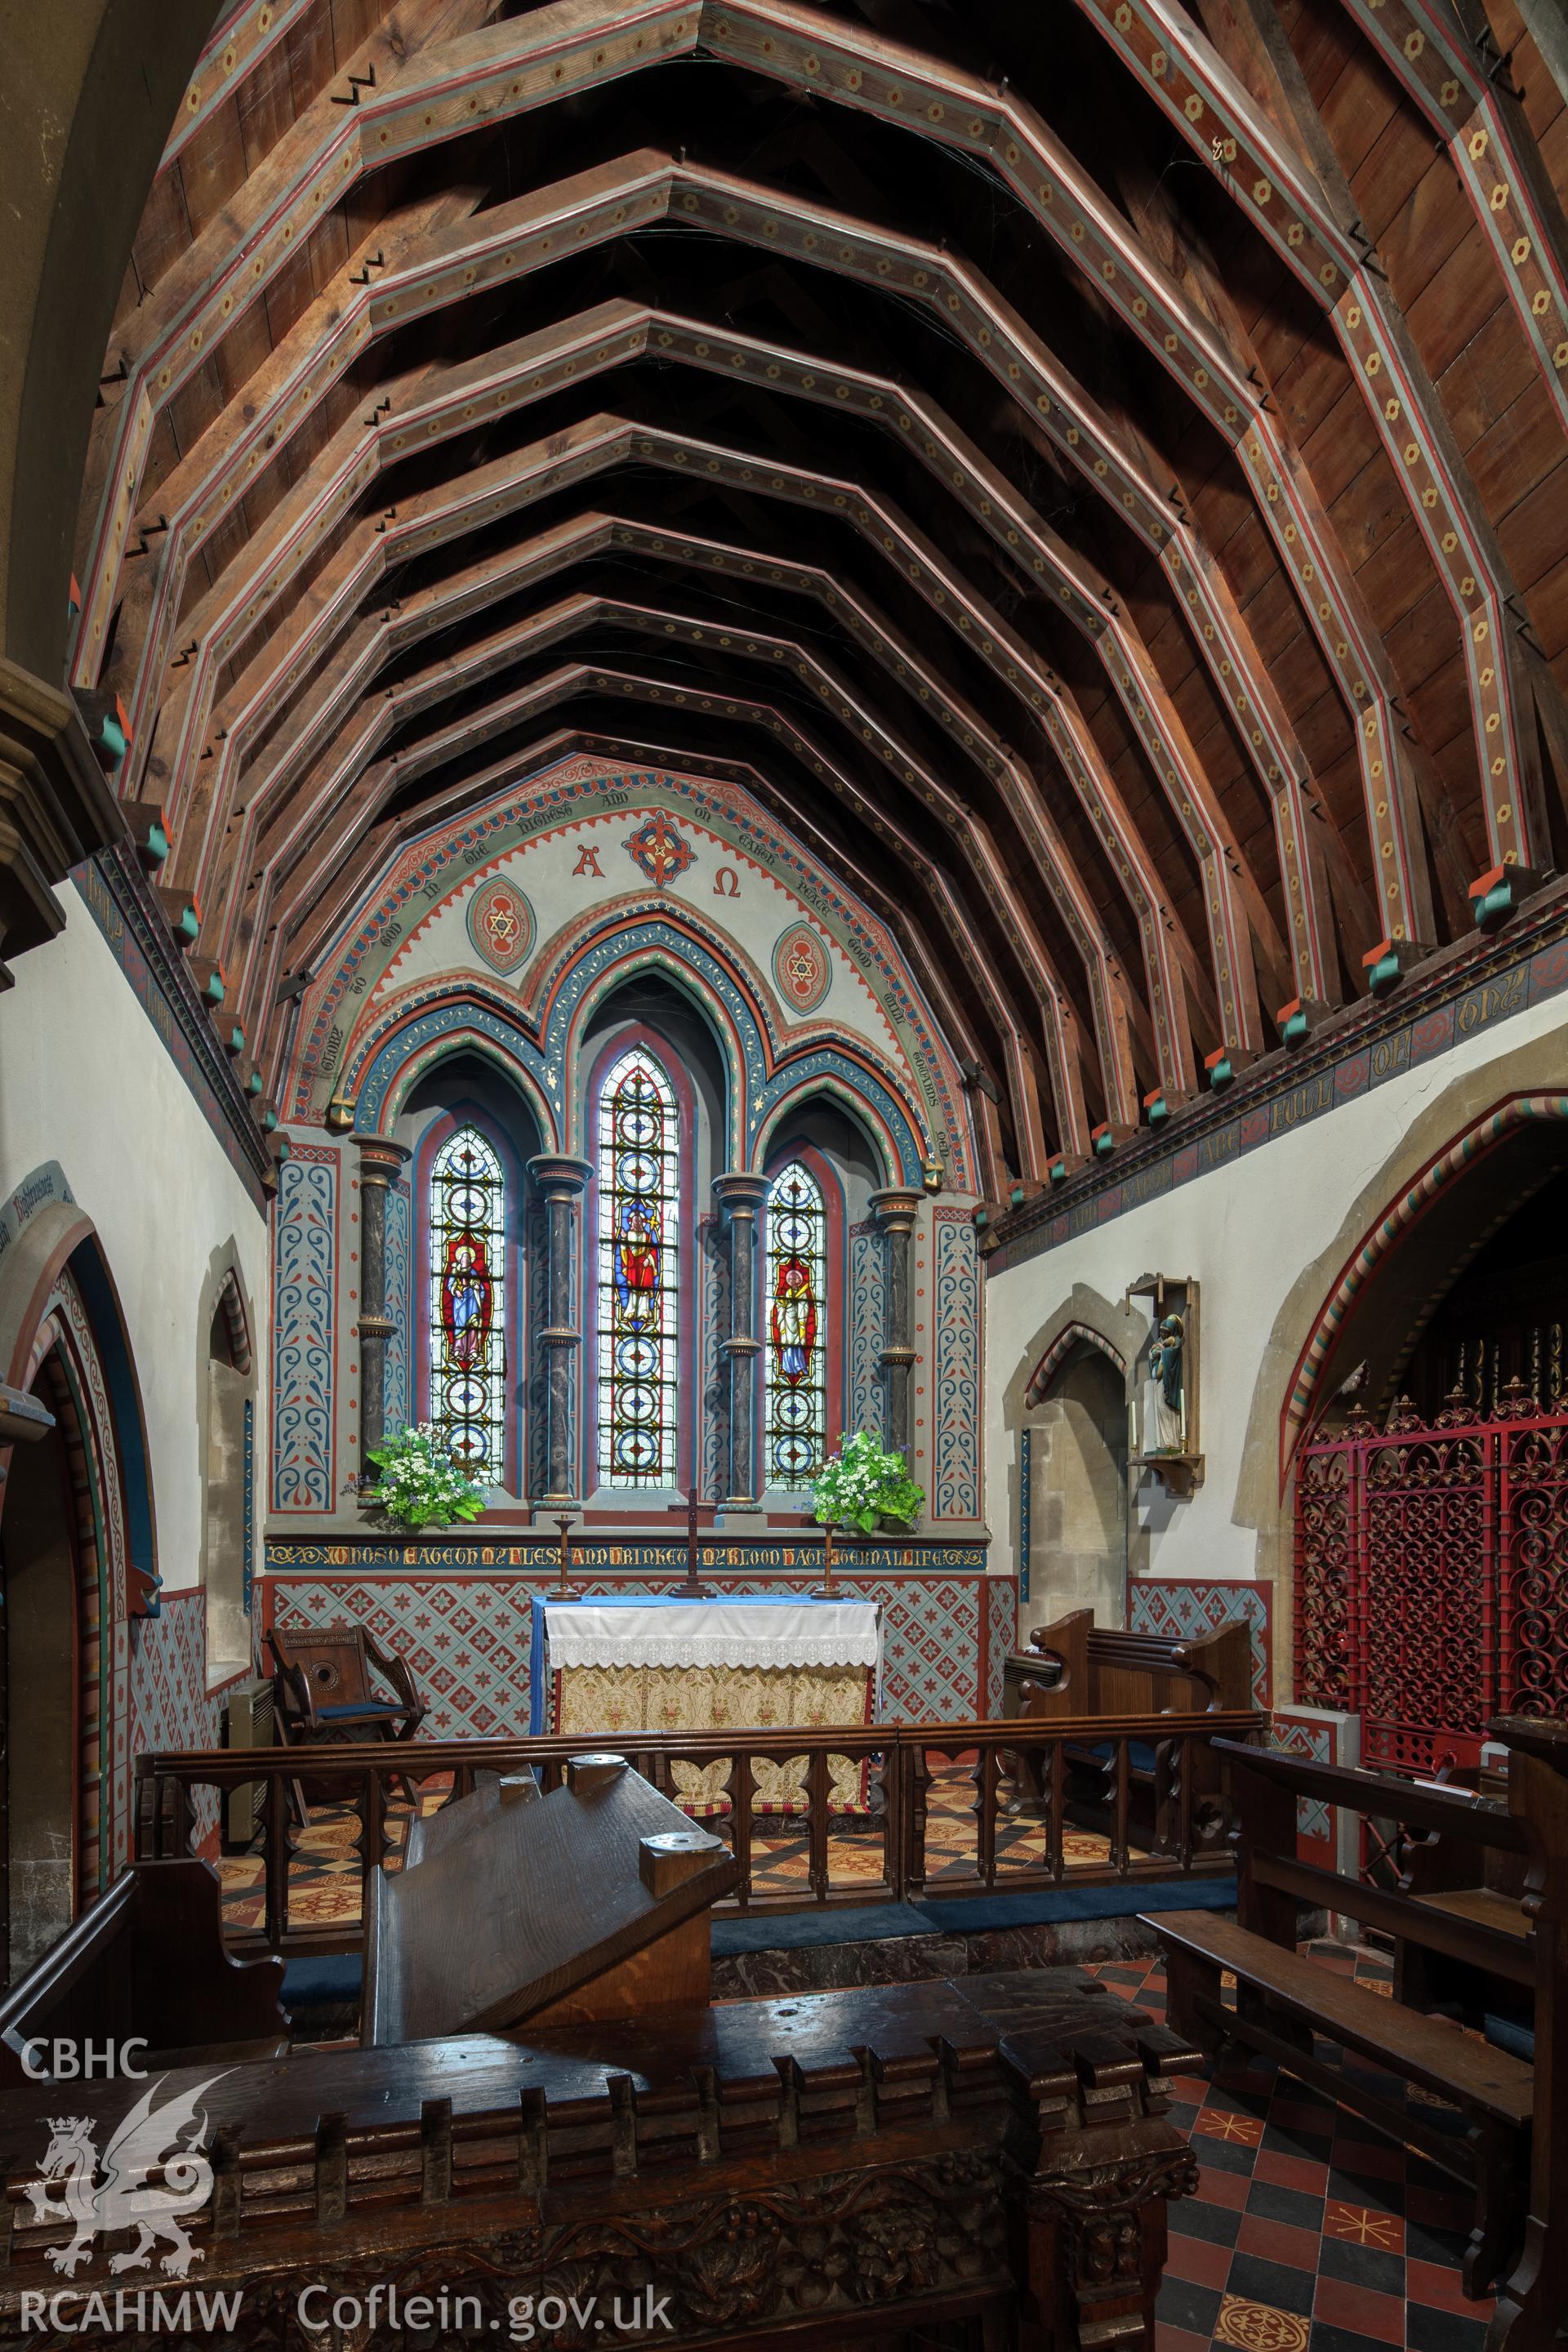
x=501, y=924
x=802, y=969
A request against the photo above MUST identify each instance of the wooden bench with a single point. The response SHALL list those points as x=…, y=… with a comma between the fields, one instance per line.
x=1283, y=1999
x=1533, y=2298
x=1080, y=1668
x=146, y=1962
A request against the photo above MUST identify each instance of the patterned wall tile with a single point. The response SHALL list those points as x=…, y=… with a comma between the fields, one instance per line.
x=1180, y=1610
x=395, y=1389
x=304, y=1270
x=866, y=1324
x=1001, y=1600
x=466, y=1637
x=956, y=1367
x=171, y=1708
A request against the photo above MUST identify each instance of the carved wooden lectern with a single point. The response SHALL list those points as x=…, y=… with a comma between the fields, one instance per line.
x=591, y=1902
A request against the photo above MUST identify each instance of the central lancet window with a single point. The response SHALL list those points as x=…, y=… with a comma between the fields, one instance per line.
x=640, y=1218
x=468, y=1322
x=796, y=1377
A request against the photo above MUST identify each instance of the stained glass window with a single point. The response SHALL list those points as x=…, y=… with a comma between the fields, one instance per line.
x=795, y=1381
x=640, y=1208
x=467, y=1289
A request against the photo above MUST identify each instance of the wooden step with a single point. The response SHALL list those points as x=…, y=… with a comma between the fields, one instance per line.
x=1426, y=2051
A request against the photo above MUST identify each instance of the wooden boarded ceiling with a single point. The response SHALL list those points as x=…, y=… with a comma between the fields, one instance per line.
x=1098, y=469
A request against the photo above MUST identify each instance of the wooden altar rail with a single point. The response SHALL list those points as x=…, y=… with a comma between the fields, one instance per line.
x=1186, y=1837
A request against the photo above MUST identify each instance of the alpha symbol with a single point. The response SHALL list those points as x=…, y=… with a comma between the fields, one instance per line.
x=588, y=862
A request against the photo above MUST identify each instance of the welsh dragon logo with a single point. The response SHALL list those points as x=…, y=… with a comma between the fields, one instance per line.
x=151, y=2140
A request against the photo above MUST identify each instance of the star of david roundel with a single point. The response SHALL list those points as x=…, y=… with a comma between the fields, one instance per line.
x=500, y=925
x=802, y=969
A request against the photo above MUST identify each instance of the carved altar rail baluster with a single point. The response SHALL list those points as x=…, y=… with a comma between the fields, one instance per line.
x=817, y=1788
x=277, y=1860
x=918, y=1785
x=988, y=1781
x=1119, y=1854
x=742, y=1793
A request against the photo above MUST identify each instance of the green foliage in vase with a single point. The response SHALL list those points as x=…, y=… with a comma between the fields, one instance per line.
x=417, y=1483
x=862, y=1485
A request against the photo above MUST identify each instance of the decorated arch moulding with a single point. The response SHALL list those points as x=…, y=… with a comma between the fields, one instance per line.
x=447, y=1021
x=427, y=873
x=429, y=1024
x=1084, y=1317
x=54, y=1281
x=1405, y=1210
x=895, y=1168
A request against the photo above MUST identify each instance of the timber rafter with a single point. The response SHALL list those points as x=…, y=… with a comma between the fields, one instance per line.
x=1154, y=732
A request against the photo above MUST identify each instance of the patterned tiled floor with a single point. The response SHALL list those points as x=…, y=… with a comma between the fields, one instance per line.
x=324, y=1884
x=1311, y=2232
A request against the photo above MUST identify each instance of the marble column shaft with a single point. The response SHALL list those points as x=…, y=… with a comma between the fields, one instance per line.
x=895, y=1212
x=381, y=1162
x=561, y=1183
x=740, y=1196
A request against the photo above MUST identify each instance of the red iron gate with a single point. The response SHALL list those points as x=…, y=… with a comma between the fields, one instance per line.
x=1432, y=1577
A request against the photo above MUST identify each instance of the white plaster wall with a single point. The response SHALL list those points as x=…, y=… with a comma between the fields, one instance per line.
x=1246, y=1231
x=85, y=1081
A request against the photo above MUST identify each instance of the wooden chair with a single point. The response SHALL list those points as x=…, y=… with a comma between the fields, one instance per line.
x=324, y=1692
x=1284, y=1997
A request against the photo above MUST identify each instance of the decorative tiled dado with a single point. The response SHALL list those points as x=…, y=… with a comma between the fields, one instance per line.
x=465, y=1634
x=955, y=1369
x=1001, y=1596
x=1181, y=1610
x=171, y=1708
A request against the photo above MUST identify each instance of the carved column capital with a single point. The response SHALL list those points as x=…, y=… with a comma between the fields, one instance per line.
x=560, y=1180
x=557, y=1176
x=896, y=1209
x=739, y=1193
x=381, y=1161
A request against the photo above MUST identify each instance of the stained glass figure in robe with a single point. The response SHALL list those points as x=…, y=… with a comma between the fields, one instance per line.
x=796, y=1385
x=640, y=1202
x=467, y=1329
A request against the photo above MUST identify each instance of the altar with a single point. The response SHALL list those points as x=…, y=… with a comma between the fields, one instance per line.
x=618, y=1663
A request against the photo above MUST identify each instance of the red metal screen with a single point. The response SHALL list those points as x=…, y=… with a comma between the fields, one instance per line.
x=1432, y=1577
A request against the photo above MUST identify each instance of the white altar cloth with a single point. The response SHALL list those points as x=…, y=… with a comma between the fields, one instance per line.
x=721, y=1632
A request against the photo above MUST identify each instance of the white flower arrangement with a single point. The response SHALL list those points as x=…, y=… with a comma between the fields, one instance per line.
x=862, y=1484
x=417, y=1484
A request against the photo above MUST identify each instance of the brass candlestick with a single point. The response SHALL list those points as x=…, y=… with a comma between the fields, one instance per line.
x=829, y=1588
x=565, y=1590
x=693, y=1589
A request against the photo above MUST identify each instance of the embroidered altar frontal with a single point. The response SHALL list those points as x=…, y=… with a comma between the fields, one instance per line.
x=645, y=1664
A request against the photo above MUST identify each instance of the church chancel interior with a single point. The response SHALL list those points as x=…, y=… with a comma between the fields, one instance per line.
x=784, y=1174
